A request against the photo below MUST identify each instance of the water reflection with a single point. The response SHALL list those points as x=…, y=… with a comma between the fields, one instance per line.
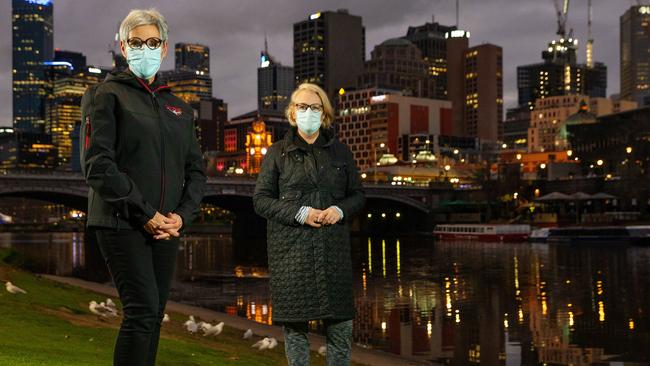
x=455, y=302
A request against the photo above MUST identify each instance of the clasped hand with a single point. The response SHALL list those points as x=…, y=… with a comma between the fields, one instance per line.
x=318, y=218
x=164, y=227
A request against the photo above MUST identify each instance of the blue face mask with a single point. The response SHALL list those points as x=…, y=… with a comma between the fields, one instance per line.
x=308, y=121
x=144, y=62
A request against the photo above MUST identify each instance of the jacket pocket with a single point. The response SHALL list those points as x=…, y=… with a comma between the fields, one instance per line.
x=339, y=178
x=290, y=195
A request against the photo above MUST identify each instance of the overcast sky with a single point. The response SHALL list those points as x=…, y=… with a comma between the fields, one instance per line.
x=234, y=31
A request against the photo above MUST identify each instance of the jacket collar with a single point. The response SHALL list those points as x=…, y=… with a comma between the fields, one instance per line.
x=127, y=77
x=291, y=138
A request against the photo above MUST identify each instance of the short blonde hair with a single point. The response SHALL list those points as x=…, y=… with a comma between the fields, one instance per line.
x=138, y=17
x=328, y=112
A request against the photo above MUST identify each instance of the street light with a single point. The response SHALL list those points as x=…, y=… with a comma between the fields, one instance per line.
x=599, y=162
x=628, y=149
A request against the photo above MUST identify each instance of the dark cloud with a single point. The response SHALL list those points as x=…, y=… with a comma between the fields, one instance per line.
x=234, y=31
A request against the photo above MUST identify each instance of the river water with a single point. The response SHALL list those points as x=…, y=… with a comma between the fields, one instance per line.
x=453, y=302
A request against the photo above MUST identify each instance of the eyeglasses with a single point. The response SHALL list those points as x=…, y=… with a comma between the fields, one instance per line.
x=314, y=107
x=137, y=43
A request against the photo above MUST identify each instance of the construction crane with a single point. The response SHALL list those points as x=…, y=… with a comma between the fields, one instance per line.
x=562, y=16
x=590, y=39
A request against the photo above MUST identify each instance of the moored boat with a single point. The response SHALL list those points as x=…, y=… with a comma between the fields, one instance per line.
x=639, y=234
x=482, y=232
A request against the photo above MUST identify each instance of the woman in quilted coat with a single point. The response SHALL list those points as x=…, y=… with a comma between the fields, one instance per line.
x=309, y=189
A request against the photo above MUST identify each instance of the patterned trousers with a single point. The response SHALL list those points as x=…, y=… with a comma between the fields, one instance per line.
x=338, y=336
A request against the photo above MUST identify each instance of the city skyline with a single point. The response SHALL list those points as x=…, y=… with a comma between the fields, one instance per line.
x=234, y=66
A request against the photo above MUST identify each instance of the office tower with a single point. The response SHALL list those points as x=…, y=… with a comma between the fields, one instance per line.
x=397, y=64
x=484, y=92
x=77, y=60
x=635, y=54
x=191, y=86
x=211, y=116
x=32, y=34
x=329, y=50
x=457, y=44
x=275, y=83
x=190, y=80
x=430, y=39
x=560, y=74
x=192, y=57
x=374, y=121
x=65, y=88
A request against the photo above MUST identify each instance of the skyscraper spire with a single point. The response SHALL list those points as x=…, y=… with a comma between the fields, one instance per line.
x=266, y=45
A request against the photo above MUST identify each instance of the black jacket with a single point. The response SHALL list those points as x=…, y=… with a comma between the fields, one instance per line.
x=310, y=268
x=139, y=153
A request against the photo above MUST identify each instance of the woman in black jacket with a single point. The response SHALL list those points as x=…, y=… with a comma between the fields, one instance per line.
x=143, y=164
x=309, y=189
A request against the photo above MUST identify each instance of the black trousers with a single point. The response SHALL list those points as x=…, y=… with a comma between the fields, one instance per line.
x=142, y=269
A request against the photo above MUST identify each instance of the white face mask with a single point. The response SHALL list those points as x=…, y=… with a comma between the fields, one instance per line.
x=308, y=121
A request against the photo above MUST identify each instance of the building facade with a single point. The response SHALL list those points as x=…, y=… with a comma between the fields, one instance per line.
x=275, y=83
x=634, y=54
x=33, y=37
x=329, y=50
x=398, y=64
x=430, y=39
x=372, y=122
x=192, y=57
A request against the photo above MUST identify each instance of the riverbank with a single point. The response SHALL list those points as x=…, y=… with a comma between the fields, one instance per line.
x=55, y=312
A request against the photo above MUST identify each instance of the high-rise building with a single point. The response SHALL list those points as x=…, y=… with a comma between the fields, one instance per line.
x=373, y=122
x=191, y=86
x=430, y=39
x=329, y=50
x=33, y=34
x=275, y=83
x=397, y=64
x=560, y=74
x=548, y=120
x=635, y=54
x=26, y=150
x=457, y=45
x=190, y=80
x=515, y=128
x=483, y=113
x=475, y=87
x=211, y=116
x=63, y=106
x=77, y=60
x=192, y=57
x=8, y=148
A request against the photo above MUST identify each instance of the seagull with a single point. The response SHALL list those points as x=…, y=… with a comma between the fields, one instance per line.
x=273, y=343
x=248, y=334
x=262, y=344
x=191, y=325
x=101, y=310
x=322, y=350
x=166, y=318
x=14, y=289
x=212, y=329
x=111, y=304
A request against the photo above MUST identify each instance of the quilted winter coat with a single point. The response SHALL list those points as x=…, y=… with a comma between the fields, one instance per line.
x=310, y=268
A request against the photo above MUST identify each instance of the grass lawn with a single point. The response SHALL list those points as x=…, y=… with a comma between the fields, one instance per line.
x=51, y=325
